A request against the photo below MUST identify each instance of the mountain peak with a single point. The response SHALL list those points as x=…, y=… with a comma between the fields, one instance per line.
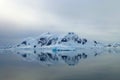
x=48, y=39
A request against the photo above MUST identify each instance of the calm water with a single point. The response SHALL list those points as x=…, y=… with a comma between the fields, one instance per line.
x=47, y=65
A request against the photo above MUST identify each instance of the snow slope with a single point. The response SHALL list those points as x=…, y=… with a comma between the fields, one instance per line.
x=69, y=41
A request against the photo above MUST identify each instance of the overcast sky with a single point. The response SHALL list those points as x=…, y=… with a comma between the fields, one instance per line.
x=97, y=19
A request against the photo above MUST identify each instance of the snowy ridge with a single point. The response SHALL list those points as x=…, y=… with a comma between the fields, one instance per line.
x=59, y=42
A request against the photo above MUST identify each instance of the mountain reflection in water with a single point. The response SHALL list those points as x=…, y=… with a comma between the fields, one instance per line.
x=70, y=58
x=84, y=64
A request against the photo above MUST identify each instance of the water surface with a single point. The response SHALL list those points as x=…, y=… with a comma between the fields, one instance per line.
x=70, y=65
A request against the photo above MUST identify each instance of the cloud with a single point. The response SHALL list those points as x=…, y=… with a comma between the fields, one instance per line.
x=90, y=18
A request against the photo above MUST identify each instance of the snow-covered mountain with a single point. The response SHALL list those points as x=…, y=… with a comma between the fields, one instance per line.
x=58, y=41
x=114, y=45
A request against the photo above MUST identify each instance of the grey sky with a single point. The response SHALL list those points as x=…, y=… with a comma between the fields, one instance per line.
x=97, y=19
